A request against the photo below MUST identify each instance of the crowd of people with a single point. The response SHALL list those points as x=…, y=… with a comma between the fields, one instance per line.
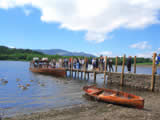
x=79, y=63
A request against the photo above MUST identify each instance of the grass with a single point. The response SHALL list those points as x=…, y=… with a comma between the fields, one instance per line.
x=149, y=63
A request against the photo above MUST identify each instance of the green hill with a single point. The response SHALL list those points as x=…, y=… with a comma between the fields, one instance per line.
x=17, y=54
x=24, y=54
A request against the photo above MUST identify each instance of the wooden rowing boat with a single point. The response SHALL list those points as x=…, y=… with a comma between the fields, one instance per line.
x=59, y=72
x=115, y=97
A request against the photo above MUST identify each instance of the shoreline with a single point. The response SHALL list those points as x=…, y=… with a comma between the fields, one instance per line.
x=94, y=110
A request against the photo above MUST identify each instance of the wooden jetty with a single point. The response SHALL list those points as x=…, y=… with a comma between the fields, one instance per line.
x=150, y=82
x=142, y=81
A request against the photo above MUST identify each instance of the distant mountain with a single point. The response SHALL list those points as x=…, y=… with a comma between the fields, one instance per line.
x=63, y=52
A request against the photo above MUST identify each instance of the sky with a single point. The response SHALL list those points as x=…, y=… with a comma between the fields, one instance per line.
x=107, y=27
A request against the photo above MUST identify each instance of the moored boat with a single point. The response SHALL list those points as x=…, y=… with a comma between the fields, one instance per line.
x=115, y=97
x=44, y=66
x=59, y=72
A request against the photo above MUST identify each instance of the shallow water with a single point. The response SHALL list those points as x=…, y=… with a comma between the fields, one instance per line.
x=44, y=92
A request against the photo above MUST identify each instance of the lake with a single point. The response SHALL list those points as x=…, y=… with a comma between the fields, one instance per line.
x=44, y=92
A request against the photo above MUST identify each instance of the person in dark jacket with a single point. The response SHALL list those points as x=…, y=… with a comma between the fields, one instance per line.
x=110, y=65
x=78, y=66
x=129, y=63
x=97, y=63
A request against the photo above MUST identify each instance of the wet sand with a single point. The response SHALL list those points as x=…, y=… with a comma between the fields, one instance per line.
x=100, y=111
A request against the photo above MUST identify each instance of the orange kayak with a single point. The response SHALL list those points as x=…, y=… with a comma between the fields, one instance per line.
x=115, y=97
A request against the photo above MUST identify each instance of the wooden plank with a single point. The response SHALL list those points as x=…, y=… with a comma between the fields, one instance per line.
x=122, y=74
x=134, y=64
x=153, y=72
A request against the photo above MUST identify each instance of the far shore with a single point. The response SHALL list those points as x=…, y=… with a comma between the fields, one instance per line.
x=138, y=64
x=144, y=65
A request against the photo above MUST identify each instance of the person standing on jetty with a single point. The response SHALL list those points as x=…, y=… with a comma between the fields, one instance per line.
x=94, y=63
x=74, y=63
x=129, y=63
x=97, y=63
x=82, y=63
x=78, y=66
x=158, y=61
x=110, y=65
x=101, y=63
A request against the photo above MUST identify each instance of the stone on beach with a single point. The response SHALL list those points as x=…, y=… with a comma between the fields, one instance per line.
x=28, y=85
x=24, y=87
x=3, y=81
x=17, y=80
x=42, y=84
x=31, y=80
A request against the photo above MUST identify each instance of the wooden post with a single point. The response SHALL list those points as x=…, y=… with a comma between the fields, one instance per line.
x=75, y=74
x=85, y=61
x=81, y=75
x=105, y=66
x=153, y=72
x=122, y=74
x=94, y=77
x=88, y=75
x=134, y=64
x=78, y=74
x=78, y=69
x=62, y=62
x=116, y=64
x=72, y=67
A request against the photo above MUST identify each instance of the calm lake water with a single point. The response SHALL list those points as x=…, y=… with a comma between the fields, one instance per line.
x=44, y=92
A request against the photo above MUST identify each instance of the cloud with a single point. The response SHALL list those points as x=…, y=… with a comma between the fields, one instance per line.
x=27, y=11
x=104, y=53
x=97, y=17
x=11, y=46
x=158, y=49
x=145, y=55
x=148, y=54
x=141, y=45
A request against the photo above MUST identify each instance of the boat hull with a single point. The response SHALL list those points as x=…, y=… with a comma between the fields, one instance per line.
x=115, y=97
x=58, y=72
